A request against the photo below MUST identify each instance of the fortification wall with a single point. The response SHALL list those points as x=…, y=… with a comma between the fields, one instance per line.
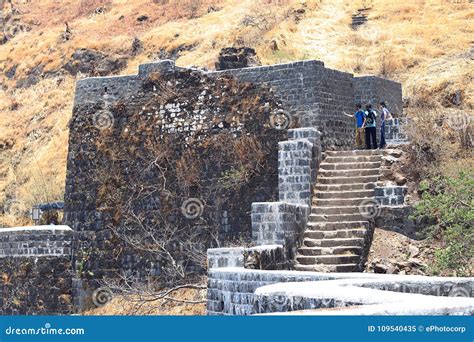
x=141, y=146
x=313, y=95
x=36, y=270
x=238, y=291
x=373, y=90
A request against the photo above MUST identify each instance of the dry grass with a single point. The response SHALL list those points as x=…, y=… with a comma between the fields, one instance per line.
x=128, y=306
x=423, y=44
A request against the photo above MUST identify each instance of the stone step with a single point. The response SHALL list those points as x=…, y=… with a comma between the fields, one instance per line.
x=350, y=166
x=339, y=242
x=353, y=159
x=349, y=250
x=319, y=218
x=332, y=195
x=339, y=202
x=327, y=259
x=348, y=180
x=329, y=226
x=345, y=187
x=336, y=210
x=353, y=153
x=328, y=268
x=311, y=236
x=349, y=173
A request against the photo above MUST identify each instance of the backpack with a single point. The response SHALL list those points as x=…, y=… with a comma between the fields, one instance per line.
x=370, y=119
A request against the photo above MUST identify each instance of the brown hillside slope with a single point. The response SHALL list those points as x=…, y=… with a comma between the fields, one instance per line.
x=424, y=44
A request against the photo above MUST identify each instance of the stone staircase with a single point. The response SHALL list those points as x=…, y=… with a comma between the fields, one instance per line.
x=338, y=235
x=359, y=18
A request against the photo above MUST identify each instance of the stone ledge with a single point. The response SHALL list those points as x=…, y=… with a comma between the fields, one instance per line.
x=236, y=291
x=36, y=229
x=399, y=295
x=36, y=241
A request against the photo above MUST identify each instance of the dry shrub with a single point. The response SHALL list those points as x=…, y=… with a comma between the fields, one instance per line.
x=441, y=141
x=87, y=7
x=426, y=147
x=190, y=9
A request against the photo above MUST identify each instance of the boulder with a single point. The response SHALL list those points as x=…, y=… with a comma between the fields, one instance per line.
x=236, y=58
x=400, y=179
x=137, y=46
x=32, y=77
x=93, y=63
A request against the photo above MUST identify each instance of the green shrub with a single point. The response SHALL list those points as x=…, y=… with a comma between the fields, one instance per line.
x=448, y=205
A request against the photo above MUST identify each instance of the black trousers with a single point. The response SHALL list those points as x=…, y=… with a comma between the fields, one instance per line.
x=371, y=136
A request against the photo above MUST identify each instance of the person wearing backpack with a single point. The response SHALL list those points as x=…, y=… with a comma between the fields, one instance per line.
x=370, y=126
x=385, y=115
x=359, y=136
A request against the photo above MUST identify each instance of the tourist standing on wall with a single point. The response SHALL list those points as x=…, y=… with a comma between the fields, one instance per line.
x=370, y=127
x=384, y=115
x=359, y=136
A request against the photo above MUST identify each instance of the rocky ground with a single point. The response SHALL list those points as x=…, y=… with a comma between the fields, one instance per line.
x=394, y=253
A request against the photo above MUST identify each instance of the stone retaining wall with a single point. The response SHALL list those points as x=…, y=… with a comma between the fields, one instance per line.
x=390, y=195
x=231, y=291
x=239, y=291
x=313, y=95
x=279, y=223
x=35, y=241
x=118, y=123
x=373, y=90
x=36, y=270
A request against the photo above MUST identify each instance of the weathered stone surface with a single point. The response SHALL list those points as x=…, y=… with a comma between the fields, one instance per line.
x=225, y=257
x=271, y=257
x=189, y=108
x=236, y=58
x=239, y=291
x=36, y=241
x=36, y=270
x=93, y=63
x=279, y=223
x=382, y=295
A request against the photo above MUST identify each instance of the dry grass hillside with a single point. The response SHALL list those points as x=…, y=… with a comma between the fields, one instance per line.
x=425, y=44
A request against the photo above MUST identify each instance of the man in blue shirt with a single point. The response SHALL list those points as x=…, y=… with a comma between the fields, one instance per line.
x=359, y=115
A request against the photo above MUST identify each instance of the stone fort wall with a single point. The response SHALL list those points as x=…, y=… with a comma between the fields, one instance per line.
x=36, y=270
x=308, y=94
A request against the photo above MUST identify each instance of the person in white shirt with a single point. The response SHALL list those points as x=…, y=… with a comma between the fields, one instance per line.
x=385, y=115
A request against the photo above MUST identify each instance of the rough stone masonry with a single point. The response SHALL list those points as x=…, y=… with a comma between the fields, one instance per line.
x=136, y=132
x=36, y=270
